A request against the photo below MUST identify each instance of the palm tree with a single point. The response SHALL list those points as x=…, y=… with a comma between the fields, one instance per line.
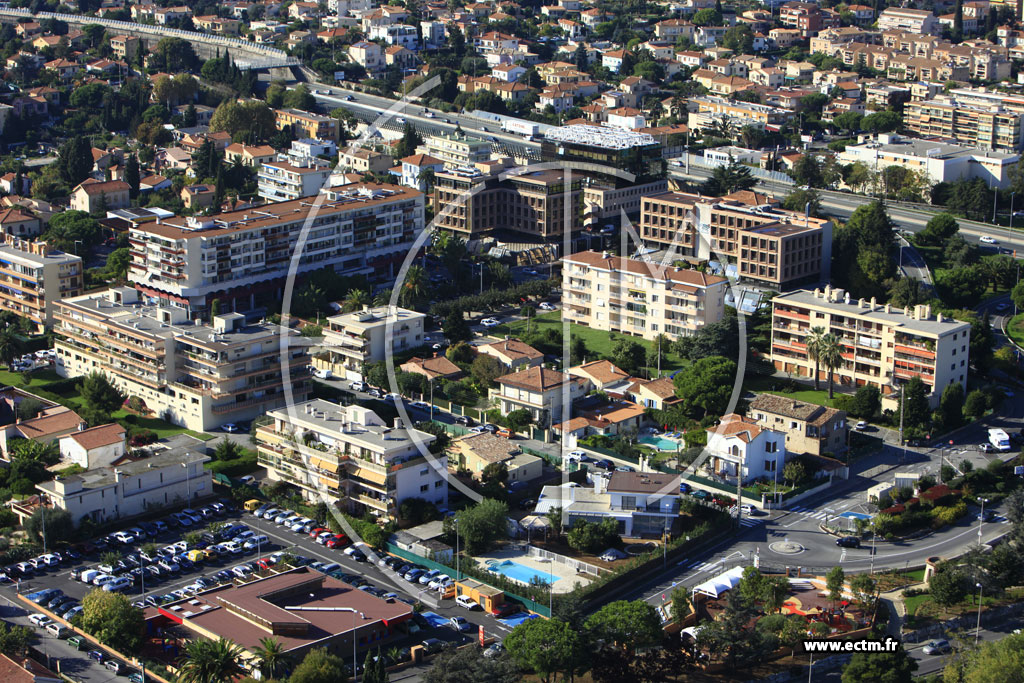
x=10, y=346
x=382, y=298
x=209, y=661
x=814, y=350
x=414, y=288
x=831, y=354
x=273, y=661
x=355, y=300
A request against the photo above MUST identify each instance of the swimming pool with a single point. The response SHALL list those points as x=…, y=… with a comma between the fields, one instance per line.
x=516, y=571
x=659, y=442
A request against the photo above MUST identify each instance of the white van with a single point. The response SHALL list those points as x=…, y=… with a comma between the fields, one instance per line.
x=57, y=630
x=88, y=575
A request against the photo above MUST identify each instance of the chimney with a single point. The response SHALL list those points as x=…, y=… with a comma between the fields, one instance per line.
x=888, y=308
x=874, y=303
x=81, y=426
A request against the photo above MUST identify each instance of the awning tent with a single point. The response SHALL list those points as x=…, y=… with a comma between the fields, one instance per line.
x=720, y=584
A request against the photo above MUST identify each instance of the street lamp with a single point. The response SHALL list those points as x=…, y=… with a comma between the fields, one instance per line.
x=354, y=660
x=873, y=535
x=458, y=571
x=981, y=517
x=977, y=630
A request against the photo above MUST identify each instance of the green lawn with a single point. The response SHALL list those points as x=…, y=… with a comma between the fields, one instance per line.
x=598, y=342
x=1015, y=328
x=773, y=385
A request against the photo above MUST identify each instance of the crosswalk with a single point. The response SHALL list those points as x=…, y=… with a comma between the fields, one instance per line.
x=999, y=519
x=808, y=512
x=698, y=566
x=752, y=521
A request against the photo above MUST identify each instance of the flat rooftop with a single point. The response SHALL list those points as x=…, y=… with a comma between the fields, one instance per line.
x=896, y=318
x=599, y=136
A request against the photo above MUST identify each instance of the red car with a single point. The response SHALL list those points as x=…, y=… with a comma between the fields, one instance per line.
x=339, y=541
x=317, y=531
x=724, y=502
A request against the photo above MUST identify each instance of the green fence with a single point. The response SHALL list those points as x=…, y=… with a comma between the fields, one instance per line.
x=531, y=605
x=553, y=459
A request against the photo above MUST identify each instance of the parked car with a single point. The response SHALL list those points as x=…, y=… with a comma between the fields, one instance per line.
x=466, y=602
x=460, y=624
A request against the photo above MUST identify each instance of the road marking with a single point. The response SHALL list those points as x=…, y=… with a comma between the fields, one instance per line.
x=750, y=522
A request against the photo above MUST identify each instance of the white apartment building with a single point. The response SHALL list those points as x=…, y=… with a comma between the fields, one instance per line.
x=188, y=262
x=739, y=442
x=34, y=277
x=941, y=162
x=919, y=21
x=352, y=456
x=352, y=340
x=191, y=374
x=397, y=34
x=290, y=178
x=882, y=346
x=173, y=475
x=456, y=151
x=638, y=298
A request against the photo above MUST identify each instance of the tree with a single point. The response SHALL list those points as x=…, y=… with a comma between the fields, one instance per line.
x=831, y=355
x=480, y=525
x=250, y=121
x=752, y=584
x=707, y=17
x=705, y=387
x=834, y=581
x=807, y=171
x=882, y=122
x=15, y=640
x=112, y=619
x=628, y=355
x=542, y=645
x=409, y=142
x=948, y=587
x=916, y=411
x=880, y=667
x=958, y=22
x=131, y=175
x=863, y=587
x=814, y=345
x=175, y=55
x=629, y=624
x=273, y=660
x=59, y=526
x=975, y=404
x=594, y=537
x=209, y=661
x=849, y=121
x=468, y=665
x=939, y=229
x=69, y=227
x=11, y=346
x=907, y=292
x=74, y=160
x=867, y=401
x=299, y=98
x=804, y=201
x=794, y=472
x=773, y=593
x=518, y=420
x=730, y=177
x=998, y=661
x=319, y=666
x=485, y=369
x=99, y=393
x=456, y=329
x=739, y=39
x=951, y=406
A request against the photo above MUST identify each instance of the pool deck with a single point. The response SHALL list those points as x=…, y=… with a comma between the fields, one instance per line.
x=661, y=441
x=565, y=579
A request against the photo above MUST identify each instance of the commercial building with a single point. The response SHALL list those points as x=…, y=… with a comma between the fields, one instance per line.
x=882, y=345
x=363, y=229
x=746, y=236
x=638, y=298
x=641, y=503
x=172, y=473
x=530, y=205
x=636, y=153
x=34, y=277
x=456, y=150
x=300, y=609
x=353, y=340
x=809, y=428
x=192, y=374
x=350, y=455
x=288, y=179
x=987, y=127
x=941, y=162
x=307, y=124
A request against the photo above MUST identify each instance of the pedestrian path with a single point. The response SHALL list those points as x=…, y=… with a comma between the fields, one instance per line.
x=752, y=521
x=808, y=512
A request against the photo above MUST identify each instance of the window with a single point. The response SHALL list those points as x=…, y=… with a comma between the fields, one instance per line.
x=439, y=483
x=629, y=502
x=424, y=488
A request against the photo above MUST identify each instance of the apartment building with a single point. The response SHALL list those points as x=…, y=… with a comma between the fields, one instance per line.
x=639, y=298
x=191, y=374
x=604, y=204
x=946, y=117
x=919, y=21
x=803, y=16
x=351, y=456
x=124, y=47
x=288, y=178
x=809, y=428
x=757, y=242
x=941, y=162
x=353, y=340
x=190, y=261
x=307, y=124
x=34, y=277
x=531, y=204
x=456, y=150
x=705, y=111
x=882, y=346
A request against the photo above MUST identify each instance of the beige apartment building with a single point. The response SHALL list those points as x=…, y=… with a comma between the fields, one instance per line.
x=363, y=229
x=124, y=47
x=988, y=127
x=764, y=244
x=809, y=428
x=195, y=375
x=34, y=277
x=349, y=454
x=882, y=346
x=353, y=340
x=456, y=150
x=638, y=298
x=307, y=124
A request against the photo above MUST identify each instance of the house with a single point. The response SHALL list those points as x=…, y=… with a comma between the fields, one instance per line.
x=809, y=428
x=611, y=418
x=95, y=447
x=365, y=161
x=368, y=55
x=15, y=221
x=92, y=195
x=400, y=56
x=250, y=155
x=739, y=445
x=641, y=503
x=25, y=670
x=510, y=73
x=46, y=427
x=604, y=376
x=475, y=452
x=655, y=393
x=153, y=182
x=413, y=167
x=546, y=394
x=435, y=367
x=513, y=354
x=198, y=196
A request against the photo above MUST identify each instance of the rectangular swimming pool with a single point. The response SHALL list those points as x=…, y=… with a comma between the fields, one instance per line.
x=518, y=572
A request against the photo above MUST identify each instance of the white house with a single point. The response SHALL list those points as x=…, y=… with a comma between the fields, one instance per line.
x=642, y=503
x=414, y=165
x=95, y=447
x=737, y=442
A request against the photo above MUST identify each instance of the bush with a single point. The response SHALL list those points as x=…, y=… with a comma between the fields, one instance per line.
x=946, y=515
x=235, y=468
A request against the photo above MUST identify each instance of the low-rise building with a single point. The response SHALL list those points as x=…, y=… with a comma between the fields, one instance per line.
x=351, y=456
x=415, y=168
x=93, y=195
x=192, y=374
x=456, y=150
x=546, y=394
x=641, y=503
x=809, y=428
x=353, y=340
x=475, y=452
x=513, y=354
x=365, y=161
x=250, y=155
x=308, y=124
x=639, y=298
x=100, y=446
x=172, y=475
x=740, y=446
x=434, y=367
x=919, y=21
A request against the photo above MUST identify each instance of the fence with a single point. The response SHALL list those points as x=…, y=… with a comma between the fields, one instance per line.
x=531, y=605
x=555, y=460
x=777, y=176
x=563, y=560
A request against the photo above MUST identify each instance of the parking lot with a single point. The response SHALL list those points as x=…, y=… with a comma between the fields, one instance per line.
x=149, y=587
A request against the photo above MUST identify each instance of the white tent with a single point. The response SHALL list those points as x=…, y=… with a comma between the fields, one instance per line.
x=721, y=583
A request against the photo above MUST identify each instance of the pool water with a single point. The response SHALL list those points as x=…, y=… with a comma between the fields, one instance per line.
x=660, y=442
x=514, y=570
